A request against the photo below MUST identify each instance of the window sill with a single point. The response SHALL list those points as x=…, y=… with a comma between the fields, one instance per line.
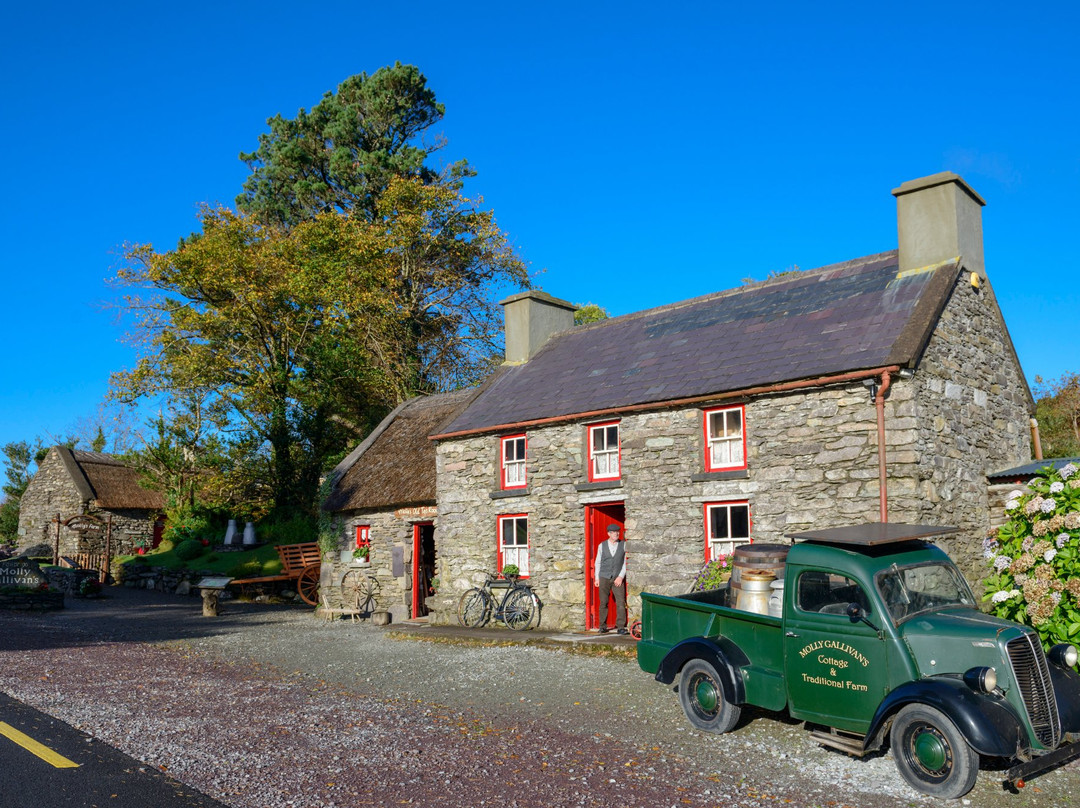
x=599, y=485
x=509, y=492
x=734, y=474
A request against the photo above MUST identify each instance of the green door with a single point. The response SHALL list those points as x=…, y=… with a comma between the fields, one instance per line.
x=835, y=667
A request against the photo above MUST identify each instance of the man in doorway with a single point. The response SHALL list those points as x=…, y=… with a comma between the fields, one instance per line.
x=610, y=576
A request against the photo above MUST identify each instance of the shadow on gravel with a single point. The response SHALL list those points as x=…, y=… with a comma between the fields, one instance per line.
x=131, y=615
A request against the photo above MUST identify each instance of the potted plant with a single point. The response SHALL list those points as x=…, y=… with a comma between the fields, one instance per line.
x=360, y=556
x=511, y=571
x=713, y=575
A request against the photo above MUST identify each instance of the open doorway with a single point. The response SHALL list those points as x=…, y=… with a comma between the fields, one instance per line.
x=597, y=519
x=423, y=567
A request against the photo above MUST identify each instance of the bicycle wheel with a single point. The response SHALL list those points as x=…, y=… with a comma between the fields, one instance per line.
x=474, y=608
x=519, y=608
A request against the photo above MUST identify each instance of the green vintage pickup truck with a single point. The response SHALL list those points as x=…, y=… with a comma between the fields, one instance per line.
x=878, y=643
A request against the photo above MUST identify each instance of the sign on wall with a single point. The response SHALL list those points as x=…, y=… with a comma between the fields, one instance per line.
x=21, y=573
x=420, y=512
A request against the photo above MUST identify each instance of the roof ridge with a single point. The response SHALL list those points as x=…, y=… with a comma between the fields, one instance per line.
x=733, y=291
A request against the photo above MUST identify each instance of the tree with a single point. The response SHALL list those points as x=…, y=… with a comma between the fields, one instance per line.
x=22, y=458
x=590, y=313
x=275, y=329
x=342, y=155
x=1057, y=407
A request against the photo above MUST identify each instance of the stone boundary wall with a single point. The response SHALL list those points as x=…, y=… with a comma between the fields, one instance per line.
x=32, y=601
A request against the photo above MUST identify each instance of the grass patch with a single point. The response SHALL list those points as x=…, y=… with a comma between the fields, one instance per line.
x=244, y=564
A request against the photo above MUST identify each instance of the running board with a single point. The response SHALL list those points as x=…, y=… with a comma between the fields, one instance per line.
x=844, y=741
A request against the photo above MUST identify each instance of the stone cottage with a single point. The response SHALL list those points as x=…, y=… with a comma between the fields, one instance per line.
x=881, y=388
x=383, y=498
x=90, y=495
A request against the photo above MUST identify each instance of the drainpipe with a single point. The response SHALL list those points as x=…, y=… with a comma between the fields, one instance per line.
x=1036, y=441
x=880, y=401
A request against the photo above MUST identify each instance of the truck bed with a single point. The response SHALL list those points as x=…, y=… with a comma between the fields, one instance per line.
x=668, y=620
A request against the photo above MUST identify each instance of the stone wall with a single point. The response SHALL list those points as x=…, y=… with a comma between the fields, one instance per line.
x=812, y=461
x=972, y=416
x=50, y=492
x=387, y=532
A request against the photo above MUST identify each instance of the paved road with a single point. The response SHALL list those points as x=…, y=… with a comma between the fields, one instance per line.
x=44, y=763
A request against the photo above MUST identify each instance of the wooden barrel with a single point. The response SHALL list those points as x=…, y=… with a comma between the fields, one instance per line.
x=758, y=560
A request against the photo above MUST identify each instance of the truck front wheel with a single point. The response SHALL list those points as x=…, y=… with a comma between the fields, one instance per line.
x=702, y=698
x=931, y=754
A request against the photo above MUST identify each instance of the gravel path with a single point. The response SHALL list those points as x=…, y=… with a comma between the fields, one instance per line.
x=267, y=707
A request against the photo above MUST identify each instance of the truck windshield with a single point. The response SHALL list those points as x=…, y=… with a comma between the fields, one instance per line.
x=919, y=588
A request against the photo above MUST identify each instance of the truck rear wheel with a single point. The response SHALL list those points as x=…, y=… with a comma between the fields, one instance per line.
x=932, y=754
x=702, y=698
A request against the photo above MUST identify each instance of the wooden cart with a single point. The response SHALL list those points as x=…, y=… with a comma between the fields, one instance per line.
x=299, y=562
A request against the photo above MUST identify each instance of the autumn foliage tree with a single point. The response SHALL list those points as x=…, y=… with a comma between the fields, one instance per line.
x=1057, y=407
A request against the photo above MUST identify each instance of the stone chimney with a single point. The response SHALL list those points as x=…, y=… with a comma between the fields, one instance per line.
x=531, y=319
x=939, y=217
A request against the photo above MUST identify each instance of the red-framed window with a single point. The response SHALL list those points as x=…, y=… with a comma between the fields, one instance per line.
x=514, y=542
x=725, y=438
x=727, y=525
x=605, y=456
x=363, y=536
x=512, y=461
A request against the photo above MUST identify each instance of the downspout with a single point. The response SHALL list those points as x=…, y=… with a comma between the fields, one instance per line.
x=1036, y=441
x=880, y=401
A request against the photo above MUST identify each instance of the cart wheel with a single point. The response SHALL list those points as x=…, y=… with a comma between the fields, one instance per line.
x=308, y=583
x=635, y=629
x=361, y=590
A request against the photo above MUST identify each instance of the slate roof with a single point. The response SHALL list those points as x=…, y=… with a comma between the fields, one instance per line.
x=106, y=480
x=857, y=315
x=1021, y=474
x=398, y=467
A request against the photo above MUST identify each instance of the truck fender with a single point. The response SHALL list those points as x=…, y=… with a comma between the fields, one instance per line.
x=1067, y=693
x=720, y=652
x=988, y=723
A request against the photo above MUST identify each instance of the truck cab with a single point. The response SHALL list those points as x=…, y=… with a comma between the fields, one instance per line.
x=879, y=642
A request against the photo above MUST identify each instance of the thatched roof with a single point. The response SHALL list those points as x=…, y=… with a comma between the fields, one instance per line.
x=108, y=482
x=395, y=466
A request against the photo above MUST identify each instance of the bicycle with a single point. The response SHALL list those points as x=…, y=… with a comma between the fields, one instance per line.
x=480, y=604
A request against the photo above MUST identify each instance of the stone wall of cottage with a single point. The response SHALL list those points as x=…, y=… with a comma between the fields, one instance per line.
x=388, y=531
x=812, y=462
x=52, y=492
x=972, y=418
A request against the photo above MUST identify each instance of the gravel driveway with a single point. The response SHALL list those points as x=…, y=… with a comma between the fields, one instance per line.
x=269, y=707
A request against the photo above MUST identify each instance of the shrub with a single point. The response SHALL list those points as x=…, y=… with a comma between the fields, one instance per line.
x=1035, y=557
x=249, y=569
x=189, y=549
x=89, y=586
x=186, y=525
x=713, y=575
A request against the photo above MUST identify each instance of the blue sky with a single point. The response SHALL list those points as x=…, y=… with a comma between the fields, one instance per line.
x=637, y=153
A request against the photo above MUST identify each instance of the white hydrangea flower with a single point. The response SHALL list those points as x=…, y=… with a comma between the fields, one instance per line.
x=1062, y=540
x=1012, y=504
x=1003, y=595
x=1016, y=493
x=1001, y=563
x=1048, y=505
x=1067, y=471
x=1057, y=487
x=1048, y=556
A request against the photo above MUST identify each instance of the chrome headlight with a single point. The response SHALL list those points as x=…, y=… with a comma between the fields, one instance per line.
x=1063, y=655
x=981, y=680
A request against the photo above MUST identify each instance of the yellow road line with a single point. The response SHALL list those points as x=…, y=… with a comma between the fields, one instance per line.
x=30, y=745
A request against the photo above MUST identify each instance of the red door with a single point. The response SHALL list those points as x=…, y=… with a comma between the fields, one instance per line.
x=597, y=519
x=423, y=566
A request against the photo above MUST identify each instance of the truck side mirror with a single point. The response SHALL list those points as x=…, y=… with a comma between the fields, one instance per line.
x=855, y=612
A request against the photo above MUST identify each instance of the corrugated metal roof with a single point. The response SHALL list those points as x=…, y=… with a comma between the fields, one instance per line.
x=1028, y=470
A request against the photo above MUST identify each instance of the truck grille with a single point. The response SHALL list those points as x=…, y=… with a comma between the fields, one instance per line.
x=1033, y=678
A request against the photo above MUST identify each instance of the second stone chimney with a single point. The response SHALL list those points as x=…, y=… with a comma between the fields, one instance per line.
x=531, y=319
x=939, y=217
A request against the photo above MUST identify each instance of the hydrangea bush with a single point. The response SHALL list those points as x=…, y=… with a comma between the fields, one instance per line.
x=1035, y=557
